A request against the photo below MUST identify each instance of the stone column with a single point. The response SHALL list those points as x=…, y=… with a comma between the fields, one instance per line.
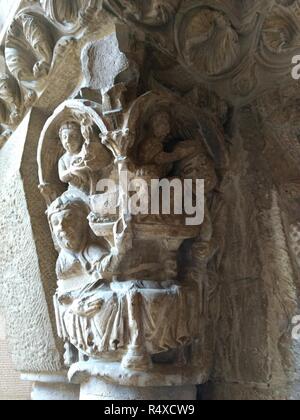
x=95, y=389
x=52, y=387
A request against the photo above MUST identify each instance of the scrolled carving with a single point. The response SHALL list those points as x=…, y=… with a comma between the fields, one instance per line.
x=280, y=32
x=62, y=11
x=29, y=47
x=200, y=30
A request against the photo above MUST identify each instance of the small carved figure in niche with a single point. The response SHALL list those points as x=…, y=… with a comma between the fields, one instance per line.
x=80, y=254
x=69, y=171
x=95, y=161
x=152, y=155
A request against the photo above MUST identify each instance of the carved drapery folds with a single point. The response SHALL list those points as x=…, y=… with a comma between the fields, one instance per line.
x=63, y=11
x=29, y=48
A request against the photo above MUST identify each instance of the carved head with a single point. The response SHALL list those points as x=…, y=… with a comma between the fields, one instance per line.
x=69, y=224
x=71, y=137
x=161, y=124
x=221, y=21
x=7, y=89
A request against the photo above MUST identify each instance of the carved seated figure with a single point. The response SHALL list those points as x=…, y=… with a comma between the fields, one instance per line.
x=70, y=166
x=107, y=319
x=81, y=258
x=157, y=163
x=86, y=160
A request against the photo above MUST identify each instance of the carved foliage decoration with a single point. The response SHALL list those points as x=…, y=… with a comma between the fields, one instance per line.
x=280, y=35
x=201, y=30
x=246, y=38
x=35, y=43
x=219, y=41
x=29, y=47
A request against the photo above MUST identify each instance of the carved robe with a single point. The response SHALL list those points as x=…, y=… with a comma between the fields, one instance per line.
x=62, y=10
x=87, y=262
x=96, y=322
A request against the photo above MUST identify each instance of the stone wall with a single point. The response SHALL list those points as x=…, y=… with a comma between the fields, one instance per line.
x=11, y=386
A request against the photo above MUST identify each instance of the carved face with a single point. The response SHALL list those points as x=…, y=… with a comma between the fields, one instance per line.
x=6, y=91
x=161, y=125
x=71, y=138
x=70, y=229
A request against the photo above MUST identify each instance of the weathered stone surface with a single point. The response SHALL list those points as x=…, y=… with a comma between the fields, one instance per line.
x=256, y=356
x=97, y=390
x=26, y=274
x=102, y=63
x=181, y=90
x=11, y=385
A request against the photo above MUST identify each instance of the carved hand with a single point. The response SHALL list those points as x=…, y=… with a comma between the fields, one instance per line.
x=86, y=307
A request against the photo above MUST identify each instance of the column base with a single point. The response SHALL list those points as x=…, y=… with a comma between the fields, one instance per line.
x=95, y=389
x=52, y=387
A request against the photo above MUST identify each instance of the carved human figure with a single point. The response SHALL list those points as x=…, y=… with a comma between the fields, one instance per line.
x=86, y=160
x=10, y=95
x=80, y=256
x=152, y=155
x=197, y=166
x=68, y=169
x=98, y=315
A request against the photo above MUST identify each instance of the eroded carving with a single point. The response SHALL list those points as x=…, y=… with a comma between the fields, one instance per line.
x=29, y=47
x=121, y=296
x=150, y=13
x=202, y=30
